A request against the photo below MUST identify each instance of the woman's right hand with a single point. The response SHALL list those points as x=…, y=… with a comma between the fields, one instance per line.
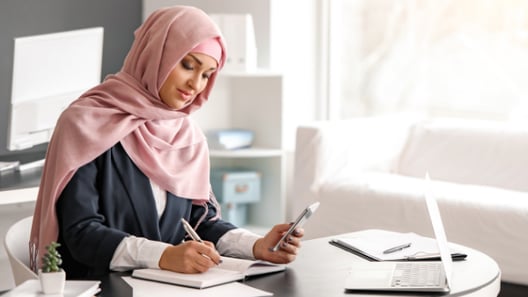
x=189, y=257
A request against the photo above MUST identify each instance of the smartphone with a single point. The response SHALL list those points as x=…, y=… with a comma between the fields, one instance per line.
x=299, y=222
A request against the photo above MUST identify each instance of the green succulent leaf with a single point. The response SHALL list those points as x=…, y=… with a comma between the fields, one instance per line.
x=52, y=260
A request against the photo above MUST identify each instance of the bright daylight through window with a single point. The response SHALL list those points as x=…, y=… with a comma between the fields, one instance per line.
x=464, y=58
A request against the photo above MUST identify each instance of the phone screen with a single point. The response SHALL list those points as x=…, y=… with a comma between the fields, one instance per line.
x=299, y=222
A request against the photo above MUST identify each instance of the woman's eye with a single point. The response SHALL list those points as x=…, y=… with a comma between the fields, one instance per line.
x=206, y=75
x=187, y=65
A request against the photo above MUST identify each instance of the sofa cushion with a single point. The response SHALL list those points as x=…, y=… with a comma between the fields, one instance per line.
x=470, y=152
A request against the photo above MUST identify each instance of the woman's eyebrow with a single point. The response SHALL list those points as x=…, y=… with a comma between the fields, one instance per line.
x=199, y=61
x=196, y=59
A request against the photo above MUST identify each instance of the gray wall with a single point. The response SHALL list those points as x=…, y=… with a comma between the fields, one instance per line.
x=30, y=17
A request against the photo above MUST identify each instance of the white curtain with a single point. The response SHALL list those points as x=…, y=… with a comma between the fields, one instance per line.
x=465, y=58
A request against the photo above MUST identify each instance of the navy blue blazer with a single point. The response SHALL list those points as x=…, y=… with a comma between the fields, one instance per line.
x=109, y=199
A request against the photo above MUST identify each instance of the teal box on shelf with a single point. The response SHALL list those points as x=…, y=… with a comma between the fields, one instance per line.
x=236, y=185
x=235, y=189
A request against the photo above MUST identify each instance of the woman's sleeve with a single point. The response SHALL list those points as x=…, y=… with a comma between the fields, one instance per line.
x=238, y=243
x=82, y=228
x=134, y=252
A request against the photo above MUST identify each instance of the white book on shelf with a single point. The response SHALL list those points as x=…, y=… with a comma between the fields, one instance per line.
x=239, y=34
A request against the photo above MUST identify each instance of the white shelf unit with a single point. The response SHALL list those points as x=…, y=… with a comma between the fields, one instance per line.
x=252, y=101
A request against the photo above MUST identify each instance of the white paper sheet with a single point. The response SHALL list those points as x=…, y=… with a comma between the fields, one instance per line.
x=144, y=288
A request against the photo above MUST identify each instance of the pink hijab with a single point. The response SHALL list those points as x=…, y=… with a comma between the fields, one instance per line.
x=164, y=143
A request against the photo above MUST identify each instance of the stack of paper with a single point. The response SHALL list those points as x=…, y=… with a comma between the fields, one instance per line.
x=377, y=245
x=230, y=270
x=143, y=288
x=81, y=288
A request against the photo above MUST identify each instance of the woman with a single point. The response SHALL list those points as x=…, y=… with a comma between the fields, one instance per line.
x=126, y=163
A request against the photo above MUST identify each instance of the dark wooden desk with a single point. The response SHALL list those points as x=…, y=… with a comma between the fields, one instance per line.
x=321, y=269
x=113, y=285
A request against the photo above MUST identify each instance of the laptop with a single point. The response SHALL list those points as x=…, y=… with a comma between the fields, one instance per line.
x=408, y=276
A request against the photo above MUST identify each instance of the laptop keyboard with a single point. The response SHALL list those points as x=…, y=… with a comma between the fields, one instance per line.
x=418, y=274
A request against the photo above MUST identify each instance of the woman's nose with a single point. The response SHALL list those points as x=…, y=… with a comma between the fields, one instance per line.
x=192, y=83
x=196, y=82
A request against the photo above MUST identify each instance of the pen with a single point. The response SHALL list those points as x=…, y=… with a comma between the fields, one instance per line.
x=190, y=231
x=194, y=236
x=397, y=248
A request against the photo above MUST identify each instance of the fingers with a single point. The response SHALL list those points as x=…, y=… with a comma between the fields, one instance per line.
x=286, y=254
x=189, y=257
x=298, y=232
x=296, y=235
x=204, y=254
x=292, y=241
x=281, y=228
x=208, y=250
x=291, y=245
x=201, y=263
x=287, y=251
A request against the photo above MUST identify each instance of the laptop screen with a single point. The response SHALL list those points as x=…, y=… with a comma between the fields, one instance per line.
x=438, y=228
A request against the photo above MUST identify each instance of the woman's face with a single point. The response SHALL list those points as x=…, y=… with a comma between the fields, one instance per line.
x=188, y=79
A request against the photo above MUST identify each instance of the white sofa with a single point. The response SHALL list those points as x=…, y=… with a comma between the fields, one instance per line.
x=369, y=173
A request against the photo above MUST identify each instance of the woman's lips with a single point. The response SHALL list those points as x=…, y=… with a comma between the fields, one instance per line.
x=185, y=95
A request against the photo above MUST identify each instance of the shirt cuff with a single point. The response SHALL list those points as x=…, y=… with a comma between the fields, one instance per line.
x=137, y=252
x=237, y=243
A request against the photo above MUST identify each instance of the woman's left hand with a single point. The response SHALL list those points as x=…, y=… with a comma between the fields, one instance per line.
x=287, y=251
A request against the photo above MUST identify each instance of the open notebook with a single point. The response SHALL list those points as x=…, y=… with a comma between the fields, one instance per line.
x=230, y=270
x=421, y=276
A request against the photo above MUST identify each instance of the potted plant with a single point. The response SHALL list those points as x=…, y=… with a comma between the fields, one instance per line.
x=52, y=276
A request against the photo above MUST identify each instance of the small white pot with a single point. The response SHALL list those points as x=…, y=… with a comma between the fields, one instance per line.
x=52, y=282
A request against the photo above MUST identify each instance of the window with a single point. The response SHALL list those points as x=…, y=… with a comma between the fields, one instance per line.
x=466, y=58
